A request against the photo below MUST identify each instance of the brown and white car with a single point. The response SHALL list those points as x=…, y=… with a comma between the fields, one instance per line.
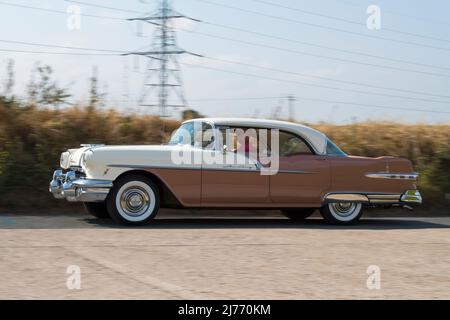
x=131, y=183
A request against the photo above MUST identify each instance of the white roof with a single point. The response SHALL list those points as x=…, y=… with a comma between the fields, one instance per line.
x=317, y=139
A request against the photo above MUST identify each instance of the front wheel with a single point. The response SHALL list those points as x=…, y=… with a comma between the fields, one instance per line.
x=342, y=213
x=134, y=200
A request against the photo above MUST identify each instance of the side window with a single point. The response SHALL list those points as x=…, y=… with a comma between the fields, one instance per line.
x=199, y=136
x=208, y=136
x=244, y=140
x=333, y=150
x=291, y=145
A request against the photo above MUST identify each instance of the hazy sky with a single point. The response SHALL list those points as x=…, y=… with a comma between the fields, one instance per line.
x=121, y=77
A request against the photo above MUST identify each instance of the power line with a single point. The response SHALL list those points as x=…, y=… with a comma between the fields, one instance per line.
x=271, y=78
x=325, y=78
x=325, y=47
x=78, y=48
x=239, y=63
x=269, y=3
x=284, y=19
x=315, y=55
x=58, y=11
x=269, y=36
x=105, y=7
x=313, y=85
x=225, y=99
x=60, y=53
x=294, y=41
x=59, y=46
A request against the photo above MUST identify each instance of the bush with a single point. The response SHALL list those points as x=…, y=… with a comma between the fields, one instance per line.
x=427, y=146
x=32, y=139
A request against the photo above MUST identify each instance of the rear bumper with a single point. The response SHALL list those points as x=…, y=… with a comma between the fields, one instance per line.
x=411, y=197
x=75, y=188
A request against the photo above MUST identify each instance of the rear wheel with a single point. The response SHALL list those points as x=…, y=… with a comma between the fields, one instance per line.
x=97, y=209
x=298, y=214
x=342, y=212
x=134, y=200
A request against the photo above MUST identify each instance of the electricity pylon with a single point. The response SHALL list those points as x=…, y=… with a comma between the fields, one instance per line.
x=163, y=75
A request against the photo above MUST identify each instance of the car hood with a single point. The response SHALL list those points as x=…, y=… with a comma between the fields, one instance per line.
x=94, y=155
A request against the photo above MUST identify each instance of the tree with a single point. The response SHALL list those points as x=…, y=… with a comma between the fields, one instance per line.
x=95, y=96
x=46, y=91
x=10, y=80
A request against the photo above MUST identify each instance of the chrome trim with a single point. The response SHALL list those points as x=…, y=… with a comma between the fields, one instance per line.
x=408, y=197
x=73, y=187
x=223, y=168
x=384, y=196
x=349, y=197
x=412, y=196
x=56, y=183
x=367, y=198
x=137, y=166
x=387, y=175
x=230, y=167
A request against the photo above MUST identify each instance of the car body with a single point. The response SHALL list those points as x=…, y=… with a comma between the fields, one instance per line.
x=130, y=183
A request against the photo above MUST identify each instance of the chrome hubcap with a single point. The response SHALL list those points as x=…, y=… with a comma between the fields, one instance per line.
x=344, y=209
x=135, y=201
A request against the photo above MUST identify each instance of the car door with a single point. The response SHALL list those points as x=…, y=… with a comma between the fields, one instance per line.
x=303, y=177
x=231, y=178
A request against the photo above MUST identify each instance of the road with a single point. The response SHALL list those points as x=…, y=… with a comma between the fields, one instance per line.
x=211, y=257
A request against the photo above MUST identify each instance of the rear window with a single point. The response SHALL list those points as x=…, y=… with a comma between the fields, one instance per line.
x=333, y=150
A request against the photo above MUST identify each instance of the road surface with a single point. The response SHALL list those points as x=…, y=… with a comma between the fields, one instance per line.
x=211, y=257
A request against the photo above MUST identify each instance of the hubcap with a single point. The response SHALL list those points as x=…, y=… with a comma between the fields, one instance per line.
x=135, y=201
x=344, y=209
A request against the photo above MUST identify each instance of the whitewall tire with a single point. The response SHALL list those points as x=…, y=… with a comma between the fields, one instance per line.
x=342, y=212
x=134, y=200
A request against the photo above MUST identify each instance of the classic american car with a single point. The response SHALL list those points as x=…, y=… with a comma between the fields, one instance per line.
x=235, y=164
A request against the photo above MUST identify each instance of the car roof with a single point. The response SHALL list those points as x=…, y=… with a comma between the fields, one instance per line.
x=317, y=139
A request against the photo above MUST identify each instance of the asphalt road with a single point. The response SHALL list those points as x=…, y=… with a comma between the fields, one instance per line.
x=210, y=257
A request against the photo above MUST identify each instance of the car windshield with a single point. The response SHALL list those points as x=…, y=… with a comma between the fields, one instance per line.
x=333, y=150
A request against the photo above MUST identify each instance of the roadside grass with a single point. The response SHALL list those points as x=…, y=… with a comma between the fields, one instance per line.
x=32, y=139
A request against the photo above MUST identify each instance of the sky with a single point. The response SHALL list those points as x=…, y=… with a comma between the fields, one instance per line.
x=400, y=69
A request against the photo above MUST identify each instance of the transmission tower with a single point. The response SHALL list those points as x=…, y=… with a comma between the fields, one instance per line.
x=163, y=75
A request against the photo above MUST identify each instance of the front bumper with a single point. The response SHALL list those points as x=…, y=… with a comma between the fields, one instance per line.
x=74, y=187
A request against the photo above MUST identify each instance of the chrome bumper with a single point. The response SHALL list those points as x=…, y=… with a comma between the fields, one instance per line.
x=75, y=188
x=412, y=197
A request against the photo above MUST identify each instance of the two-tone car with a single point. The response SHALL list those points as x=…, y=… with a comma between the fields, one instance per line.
x=233, y=163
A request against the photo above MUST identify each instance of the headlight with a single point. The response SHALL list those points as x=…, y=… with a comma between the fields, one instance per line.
x=64, y=160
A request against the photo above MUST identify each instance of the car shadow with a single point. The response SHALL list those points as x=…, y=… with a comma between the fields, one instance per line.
x=269, y=223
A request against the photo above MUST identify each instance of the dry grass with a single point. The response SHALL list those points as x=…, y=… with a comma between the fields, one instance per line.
x=31, y=140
